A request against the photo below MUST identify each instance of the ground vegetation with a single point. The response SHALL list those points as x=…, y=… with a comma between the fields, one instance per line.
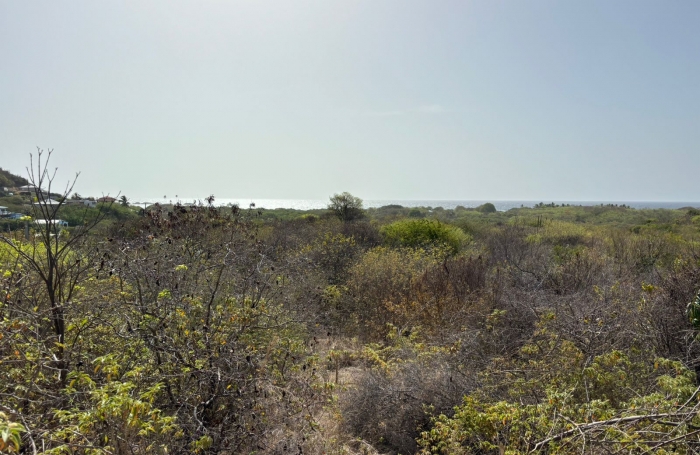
x=221, y=330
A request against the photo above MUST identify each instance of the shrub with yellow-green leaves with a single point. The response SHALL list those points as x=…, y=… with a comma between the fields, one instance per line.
x=424, y=233
x=379, y=289
x=552, y=397
x=665, y=419
x=10, y=434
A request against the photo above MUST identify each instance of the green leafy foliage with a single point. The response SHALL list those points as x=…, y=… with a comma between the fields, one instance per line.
x=486, y=208
x=10, y=180
x=424, y=233
x=10, y=434
x=561, y=424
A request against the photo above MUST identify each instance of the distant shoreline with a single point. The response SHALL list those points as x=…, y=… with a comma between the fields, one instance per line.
x=319, y=204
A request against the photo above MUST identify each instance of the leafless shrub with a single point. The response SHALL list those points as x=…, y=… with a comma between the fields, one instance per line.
x=389, y=409
x=574, y=270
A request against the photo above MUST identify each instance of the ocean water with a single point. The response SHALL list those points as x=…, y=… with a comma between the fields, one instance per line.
x=315, y=204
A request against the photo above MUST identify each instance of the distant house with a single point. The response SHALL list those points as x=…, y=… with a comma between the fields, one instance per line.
x=107, y=199
x=85, y=202
x=59, y=223
x=47, y=202
x=4, y=211
x=31, y=190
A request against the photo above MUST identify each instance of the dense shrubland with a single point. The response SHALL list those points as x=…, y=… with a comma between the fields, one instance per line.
x=219, y=330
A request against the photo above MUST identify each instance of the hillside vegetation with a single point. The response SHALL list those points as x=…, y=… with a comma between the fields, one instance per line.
x=10, y=180
x=397, y=330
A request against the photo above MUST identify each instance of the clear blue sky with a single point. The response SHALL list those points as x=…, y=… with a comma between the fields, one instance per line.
x=395, y=99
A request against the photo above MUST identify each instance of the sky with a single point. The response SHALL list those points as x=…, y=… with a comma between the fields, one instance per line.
x=387, y=99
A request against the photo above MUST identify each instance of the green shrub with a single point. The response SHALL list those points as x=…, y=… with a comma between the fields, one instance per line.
x=486, y=208
x=416, y=213
x=422, y=233
x=556, y=232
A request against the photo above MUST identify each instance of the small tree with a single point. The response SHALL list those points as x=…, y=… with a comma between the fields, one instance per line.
x=346, y=206
x=54, y=256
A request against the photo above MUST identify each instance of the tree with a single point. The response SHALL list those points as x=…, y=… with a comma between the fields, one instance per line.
x=346, y=206
x=42, y=276
x=486, y=208
x=53, y=256
x=124, y=201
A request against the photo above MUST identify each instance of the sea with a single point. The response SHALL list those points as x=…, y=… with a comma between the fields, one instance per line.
x=316, y=204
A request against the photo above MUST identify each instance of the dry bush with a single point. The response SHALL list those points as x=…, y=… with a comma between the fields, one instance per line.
x=287, y=236
x=444, y=295
x=574, y=269
x=666, y=301
x=392, y=403
x=365, y=234
x=524, y=261
x=640, y=253
x=378, y=284
x=206, y=306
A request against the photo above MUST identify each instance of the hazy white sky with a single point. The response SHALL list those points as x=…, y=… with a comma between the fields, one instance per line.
x=387, y=99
